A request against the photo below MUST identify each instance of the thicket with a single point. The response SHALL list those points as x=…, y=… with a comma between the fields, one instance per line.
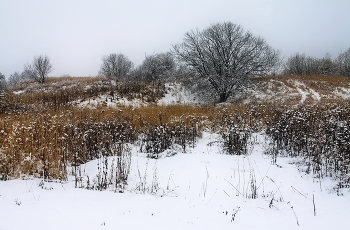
x=319, y=134
x=182, y=132
x=53, y=143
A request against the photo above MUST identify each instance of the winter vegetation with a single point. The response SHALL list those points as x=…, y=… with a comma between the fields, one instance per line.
x=213, y=134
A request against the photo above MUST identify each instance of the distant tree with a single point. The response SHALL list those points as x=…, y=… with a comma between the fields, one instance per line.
x=136, y=74
x=16, y=78
x=158, y=66
x=300, y=64
x=2, y=78
x=327, y=66
x=226, y=56
x=2, y=85
x=115, y=65
x=343, y=63
x=39, y=69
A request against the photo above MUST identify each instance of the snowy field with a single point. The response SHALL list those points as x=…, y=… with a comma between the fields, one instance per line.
x=199, y=189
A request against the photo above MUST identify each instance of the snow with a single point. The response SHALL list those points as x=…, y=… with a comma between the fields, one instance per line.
x=315, y=95
x=303, y=93
x=176, y=94
x=19, y=92
x=107, y=100
x=343, y=92
x=199, y=189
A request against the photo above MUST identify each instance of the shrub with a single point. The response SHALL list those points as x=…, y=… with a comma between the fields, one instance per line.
x=320, y=134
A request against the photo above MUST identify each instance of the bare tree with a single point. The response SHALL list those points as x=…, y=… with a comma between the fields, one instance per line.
x=327, y=65
x=158, y=66
x=17, y=78
x=226, y=56
x=343, y=63
x=39, y=69
x=115, y=65
x=2, y=85
x=300, y=64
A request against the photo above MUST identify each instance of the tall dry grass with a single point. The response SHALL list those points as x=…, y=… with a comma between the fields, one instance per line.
x=43, y=143
x=43, y=135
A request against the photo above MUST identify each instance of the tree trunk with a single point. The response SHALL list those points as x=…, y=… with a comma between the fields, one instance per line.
x=223, y=97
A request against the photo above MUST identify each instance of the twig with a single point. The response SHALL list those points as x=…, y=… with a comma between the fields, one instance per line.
x=293, y=212
x=206, y=182
x=313, y=201
x=226, y=193
x=234, y=213
x=262, y=180
x=277, y=187
x=212, y=196
x=295, y=190
x=233, y=187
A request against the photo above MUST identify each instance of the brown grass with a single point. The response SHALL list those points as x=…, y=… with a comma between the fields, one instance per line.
x=316, y=82
x=40, y=137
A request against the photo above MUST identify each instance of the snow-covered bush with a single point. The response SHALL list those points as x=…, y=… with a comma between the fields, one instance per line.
x=320, y=134
x=160, y=137
x=235, y=141
x=155, y=140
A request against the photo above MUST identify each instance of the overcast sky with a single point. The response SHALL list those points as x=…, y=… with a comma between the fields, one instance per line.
x=75, y=34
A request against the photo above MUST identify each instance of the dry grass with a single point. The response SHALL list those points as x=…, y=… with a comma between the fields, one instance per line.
x=42, y=133
x=324, y=88
x=44, y=142
x=316, y=82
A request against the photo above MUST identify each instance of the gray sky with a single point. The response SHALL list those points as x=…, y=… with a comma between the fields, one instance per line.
x=75, y=34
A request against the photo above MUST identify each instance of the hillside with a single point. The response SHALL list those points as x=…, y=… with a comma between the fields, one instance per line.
x=88, y=153
x=85, y=91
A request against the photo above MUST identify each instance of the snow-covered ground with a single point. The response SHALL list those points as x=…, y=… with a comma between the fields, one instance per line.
x=199, y=189
x=343, y=92
x=177, y=94
x=275, y=90
x=107, y=100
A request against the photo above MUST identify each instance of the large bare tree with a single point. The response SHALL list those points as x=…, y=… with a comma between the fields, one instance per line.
x=226, y=56
x=39, y=69
x=115, y=65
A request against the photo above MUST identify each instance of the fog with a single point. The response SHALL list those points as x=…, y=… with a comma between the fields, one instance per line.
x=76, y=34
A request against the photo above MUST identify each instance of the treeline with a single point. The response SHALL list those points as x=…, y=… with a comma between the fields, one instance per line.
x=301, y=64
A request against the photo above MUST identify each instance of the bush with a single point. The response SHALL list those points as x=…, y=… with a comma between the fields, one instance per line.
x=320, y=134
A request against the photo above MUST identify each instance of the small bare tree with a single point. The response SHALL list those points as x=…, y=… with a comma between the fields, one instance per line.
x=2, y=85
x=39, y=69
x=158, y=66
x=115, y=65
x=343, y=63
x=226, y=56
x=17, y=78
